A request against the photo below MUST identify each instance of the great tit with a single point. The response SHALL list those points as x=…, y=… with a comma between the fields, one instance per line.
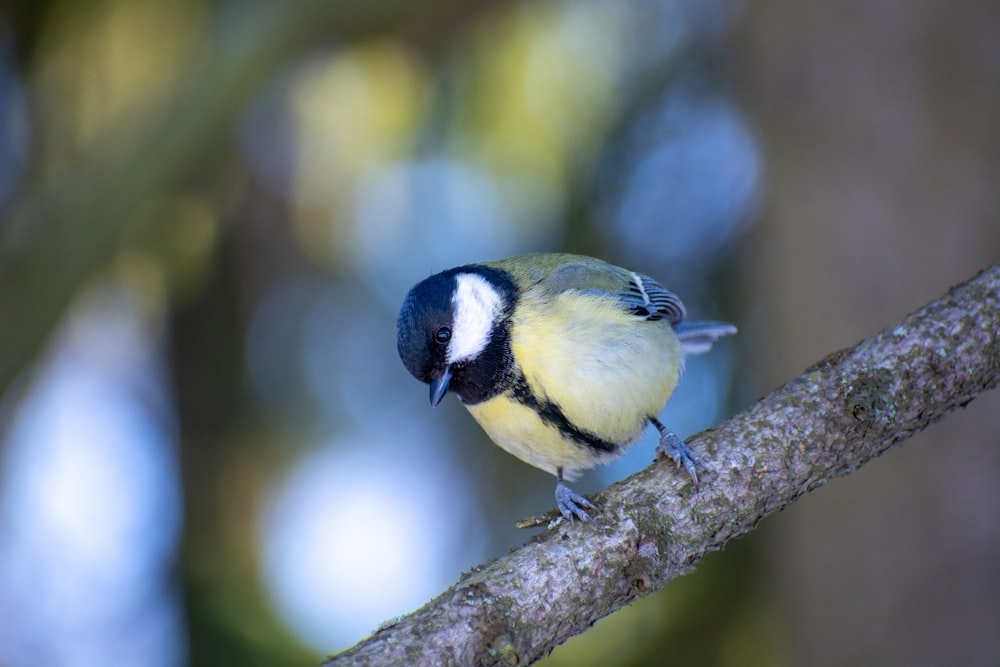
x=562, y=359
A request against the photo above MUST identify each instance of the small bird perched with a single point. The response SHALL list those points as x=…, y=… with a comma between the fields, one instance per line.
x=562, y=359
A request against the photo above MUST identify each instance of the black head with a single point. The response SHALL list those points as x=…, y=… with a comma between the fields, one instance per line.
x=452, y=331
x=425, y=325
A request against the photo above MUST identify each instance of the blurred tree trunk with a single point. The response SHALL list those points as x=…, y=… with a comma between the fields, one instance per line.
x=881, y=130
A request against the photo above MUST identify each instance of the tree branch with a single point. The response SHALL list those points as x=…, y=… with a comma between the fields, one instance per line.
x=841, y=413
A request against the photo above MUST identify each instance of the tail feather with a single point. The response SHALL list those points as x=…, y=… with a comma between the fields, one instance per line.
x=698, y=337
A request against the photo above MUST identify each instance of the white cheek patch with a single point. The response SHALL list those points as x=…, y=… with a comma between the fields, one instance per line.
x=475, y=305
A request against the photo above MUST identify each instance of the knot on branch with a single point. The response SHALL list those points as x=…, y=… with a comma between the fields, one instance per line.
x=868, y=399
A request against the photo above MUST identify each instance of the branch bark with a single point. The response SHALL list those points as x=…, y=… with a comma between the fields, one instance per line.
x=839, y=414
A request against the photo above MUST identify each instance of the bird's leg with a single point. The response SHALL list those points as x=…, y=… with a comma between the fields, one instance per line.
x=674, y=448
x=569, y=503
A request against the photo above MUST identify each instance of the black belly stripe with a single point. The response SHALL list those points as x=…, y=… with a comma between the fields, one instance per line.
x=552, y=415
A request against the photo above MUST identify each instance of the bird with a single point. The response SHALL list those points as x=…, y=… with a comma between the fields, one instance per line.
x=564, y=360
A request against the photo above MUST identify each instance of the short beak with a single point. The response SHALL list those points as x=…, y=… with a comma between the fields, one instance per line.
x=439, y=387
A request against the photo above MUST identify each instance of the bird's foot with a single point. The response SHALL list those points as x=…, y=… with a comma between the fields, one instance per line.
x=674, y=448
x=571, y=505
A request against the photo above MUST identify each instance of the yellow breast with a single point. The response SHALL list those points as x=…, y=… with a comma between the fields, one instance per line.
x=519, y=430
x=606, y=370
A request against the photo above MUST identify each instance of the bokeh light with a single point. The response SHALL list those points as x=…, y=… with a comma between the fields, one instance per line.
x=362, y=530
x=90, y=504
x=692, y=175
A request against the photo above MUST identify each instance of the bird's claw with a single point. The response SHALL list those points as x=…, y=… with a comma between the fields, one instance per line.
x=674, y=448
x=571, y=504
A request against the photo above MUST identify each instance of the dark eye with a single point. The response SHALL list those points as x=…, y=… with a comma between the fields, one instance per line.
x=443, y=335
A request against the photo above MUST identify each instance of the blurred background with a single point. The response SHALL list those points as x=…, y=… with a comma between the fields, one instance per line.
x=210, y=211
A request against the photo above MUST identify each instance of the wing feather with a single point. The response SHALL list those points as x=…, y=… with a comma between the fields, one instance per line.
x=634, y=292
